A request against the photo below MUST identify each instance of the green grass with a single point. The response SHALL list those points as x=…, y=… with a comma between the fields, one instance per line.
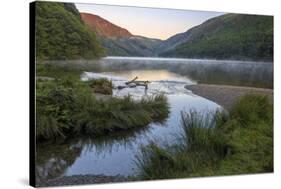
x=56, y=71
x=102, y=86
x=61, y=70
x=67, y=107
x=240, y=142
x=121, y=114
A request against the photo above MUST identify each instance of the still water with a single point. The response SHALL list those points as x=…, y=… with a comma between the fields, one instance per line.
x=242, y=73
x=115, y=154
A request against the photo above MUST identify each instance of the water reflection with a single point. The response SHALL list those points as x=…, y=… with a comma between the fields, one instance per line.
x=115, y=153
x=53, y=159
x=168, y=83
x=242, y=73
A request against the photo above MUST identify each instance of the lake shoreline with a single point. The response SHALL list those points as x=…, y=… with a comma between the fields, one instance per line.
x=83, y=179
x=226, y=95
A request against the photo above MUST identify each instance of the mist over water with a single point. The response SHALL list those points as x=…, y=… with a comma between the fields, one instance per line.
x=160, y=81
x=228, y=72
x=115, y=153
x=242, y=73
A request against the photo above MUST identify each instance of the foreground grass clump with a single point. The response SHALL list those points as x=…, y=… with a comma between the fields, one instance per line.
x=102, y=86
x=66, y=107
x=121, y=114
x=216, y=144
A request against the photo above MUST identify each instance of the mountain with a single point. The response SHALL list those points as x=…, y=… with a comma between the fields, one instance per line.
x=173, y=41
x=64, y=33
x=118, y=41
x=131, y=46
x=103, y=27
x=61, y=34
x=230, y=36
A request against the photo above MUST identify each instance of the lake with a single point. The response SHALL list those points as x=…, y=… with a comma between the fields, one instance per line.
x=116, y=153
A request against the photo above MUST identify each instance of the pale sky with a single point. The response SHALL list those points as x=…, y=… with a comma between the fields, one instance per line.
x=149, y=22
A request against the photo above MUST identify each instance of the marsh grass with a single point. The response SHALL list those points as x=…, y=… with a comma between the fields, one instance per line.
x=121, y=114
x=57, y=71
x=68, y=107
x=216, y=144
x=102, y=86
x=65, y=69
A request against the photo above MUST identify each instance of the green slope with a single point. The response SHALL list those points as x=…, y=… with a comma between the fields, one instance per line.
x=60, y=33
x=130, y=46
x=230, y=36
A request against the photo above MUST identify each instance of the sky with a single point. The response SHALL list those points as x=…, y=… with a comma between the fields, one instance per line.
x=149, y=22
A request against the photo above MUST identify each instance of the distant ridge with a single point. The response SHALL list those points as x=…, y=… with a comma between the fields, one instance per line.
x=118, y=41
x=230, y=36
x=103, y=27
x=227, y=37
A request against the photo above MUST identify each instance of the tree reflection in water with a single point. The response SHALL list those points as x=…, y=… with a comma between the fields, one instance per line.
x=53, y=159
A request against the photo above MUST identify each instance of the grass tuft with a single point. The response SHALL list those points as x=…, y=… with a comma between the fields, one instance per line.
x=101, y=86
x=216, y=144
x=67, y=107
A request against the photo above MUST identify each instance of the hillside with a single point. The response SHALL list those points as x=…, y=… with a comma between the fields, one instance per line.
x=64, y=33
x=103, y=27
x=61, y=34
x=130, y=46
x=172, y=42
x=118, y=41
x=230, y=36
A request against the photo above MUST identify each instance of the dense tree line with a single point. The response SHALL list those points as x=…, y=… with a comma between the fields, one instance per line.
x=230, y=36
x=61, y=34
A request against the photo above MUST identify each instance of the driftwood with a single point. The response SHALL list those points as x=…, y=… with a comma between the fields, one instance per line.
x=133, y=83
x=133, y=80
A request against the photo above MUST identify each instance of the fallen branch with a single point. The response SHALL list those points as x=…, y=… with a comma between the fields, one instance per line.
x=133, y=83
x=133, y=80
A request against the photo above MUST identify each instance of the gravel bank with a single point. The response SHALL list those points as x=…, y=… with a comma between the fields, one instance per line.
x=83, y=179
x=226, y=95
